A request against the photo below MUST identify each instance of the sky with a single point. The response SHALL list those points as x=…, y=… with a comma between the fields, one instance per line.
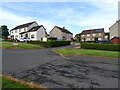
x=74, y=16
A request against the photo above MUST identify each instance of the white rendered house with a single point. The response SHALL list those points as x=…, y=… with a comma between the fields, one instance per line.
x=29, y=30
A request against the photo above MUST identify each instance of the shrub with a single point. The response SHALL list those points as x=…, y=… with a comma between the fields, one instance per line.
x=9, y=40
x=51, y=43
x=110, y=47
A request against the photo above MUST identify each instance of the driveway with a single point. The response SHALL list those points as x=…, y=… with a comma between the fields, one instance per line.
x=47, y=68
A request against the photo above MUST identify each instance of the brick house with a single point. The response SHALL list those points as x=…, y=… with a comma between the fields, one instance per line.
x=61, y=33
x=115, y=40
x=90, y=35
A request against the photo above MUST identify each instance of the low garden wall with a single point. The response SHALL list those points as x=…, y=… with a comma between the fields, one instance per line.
x=51, y=43
x=110, y=47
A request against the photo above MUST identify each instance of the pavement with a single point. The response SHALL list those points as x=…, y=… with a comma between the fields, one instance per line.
x=51, y=70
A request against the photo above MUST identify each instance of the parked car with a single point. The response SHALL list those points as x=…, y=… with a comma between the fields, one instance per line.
x=24, y=39
x=103, y=41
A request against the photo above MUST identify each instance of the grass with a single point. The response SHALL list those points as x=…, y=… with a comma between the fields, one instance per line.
x=6, y=83
x=10, y=82
x=89, y=52
x=9, y=45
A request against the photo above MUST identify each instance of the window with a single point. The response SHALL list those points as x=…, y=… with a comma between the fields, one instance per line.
x=99, y=34
x=93, y=39
x=88, y=34
x=82, y=39
x=12, y=31
x=93, y=34
x=15, y=31
x=99, y=38
x=32, y=36
x=19, y=30
x=88, y=39
x=25, y=29
x=83, y=35
x=106, y=37
x=16, y=36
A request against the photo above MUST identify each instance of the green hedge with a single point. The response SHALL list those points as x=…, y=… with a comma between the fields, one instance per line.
x=51, y=43
x=110, y=47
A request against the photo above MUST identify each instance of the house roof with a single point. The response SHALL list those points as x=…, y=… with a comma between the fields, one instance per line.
x=63, y=30
x=115, y=23
x=23, y=25
x=77, y=34
x=35, y=28
x=93, y=31
x=107, y=33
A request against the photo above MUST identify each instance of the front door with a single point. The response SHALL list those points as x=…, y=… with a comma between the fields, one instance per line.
x=26, y=35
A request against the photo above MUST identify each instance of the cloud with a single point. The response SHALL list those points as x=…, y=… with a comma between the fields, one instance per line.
x=12, y=20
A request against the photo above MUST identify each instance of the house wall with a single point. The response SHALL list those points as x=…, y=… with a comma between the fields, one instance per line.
x=32, y=33
x=67, y=36
x=91, y=37
x=15, y=34
x=41, y=34
x=115, y=41
x=114, y=30
x=56, y=33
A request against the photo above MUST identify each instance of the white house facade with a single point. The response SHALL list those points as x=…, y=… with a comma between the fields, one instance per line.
x=115, y=30
x=31, y=30
x=61, y=33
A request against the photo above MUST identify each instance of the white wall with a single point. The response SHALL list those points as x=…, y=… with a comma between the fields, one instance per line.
x=56, y=33
x=41, y=33
x=115, y=30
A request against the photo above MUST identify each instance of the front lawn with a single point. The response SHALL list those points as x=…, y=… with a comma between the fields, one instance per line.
x=10, y=45
x=9, y=82
x=6, y=83
x=89, y=52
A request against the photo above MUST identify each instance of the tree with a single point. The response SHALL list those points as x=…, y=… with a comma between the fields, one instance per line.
x=4, y=30
x=96, y=39
x=78, y=38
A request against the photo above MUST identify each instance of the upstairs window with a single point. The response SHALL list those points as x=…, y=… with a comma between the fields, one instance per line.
x=93, y=34
x=15, y=31
x=88, y=34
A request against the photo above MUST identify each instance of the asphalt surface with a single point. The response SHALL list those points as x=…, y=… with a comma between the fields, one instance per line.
x=51, y=70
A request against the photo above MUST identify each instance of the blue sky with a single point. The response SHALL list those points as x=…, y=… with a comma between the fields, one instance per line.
x=74, y=16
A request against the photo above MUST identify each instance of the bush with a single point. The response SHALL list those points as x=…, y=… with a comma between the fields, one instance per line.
x=51, y=43
x=9, y=40
x=110, y=47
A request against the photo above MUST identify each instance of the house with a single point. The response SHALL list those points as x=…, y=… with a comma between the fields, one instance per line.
x=76, y=37
x=115, y=40
x=29, y=30
x=115, y=30
x=107, y=36
x=61, y=33
x=90, y=35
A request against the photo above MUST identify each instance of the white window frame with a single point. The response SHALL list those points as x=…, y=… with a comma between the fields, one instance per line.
x=99, y=34
x=88, y=35
x=93, y=34
x=99, y=38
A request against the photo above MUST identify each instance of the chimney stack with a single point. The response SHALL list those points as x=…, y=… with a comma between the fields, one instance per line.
x=63, y=27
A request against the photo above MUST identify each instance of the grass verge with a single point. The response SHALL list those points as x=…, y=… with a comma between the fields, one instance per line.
x=9, y=82
x=88, y=52
x=10, y=45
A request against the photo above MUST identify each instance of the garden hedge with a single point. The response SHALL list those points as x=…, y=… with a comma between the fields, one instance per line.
x=51, y=43
x=98, y=46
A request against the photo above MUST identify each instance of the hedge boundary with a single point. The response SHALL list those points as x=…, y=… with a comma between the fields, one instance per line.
x=109, y=47
x=51, y=43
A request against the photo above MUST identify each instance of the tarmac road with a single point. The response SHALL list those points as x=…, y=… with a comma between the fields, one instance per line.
x=51, y=70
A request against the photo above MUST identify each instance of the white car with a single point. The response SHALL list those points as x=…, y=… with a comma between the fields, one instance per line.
x=24, y=39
